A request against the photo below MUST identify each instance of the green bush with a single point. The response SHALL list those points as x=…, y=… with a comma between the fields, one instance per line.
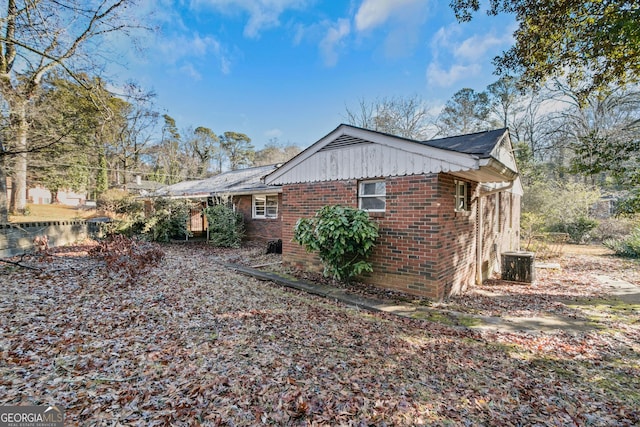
x=557, y=204
x=629, y=206
x=627, y=247
x=226, y=227
x=614, y=228
x=167, y=220
x=118, y=202
x=578, y=230
x=343, y=237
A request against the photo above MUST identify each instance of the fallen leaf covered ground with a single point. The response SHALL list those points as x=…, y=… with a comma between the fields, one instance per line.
x=193, y=343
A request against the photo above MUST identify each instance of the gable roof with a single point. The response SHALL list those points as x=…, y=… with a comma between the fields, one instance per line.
x=237, y=182
x=350, y=152
x=480, y=144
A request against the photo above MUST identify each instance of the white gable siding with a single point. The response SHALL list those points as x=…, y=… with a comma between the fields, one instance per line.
x=363, y=161
x=503, y=152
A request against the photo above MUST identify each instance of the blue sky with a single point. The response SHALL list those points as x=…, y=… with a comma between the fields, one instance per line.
x=287, y=69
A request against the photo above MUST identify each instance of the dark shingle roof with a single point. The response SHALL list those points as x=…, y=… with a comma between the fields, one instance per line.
x=480, y=144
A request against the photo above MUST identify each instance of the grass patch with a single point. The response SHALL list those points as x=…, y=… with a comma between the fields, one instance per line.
x=52, y=213
x=608, y=310
x=616, y=381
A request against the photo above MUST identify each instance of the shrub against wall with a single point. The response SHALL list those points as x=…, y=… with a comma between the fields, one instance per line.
x=167, y=220
x=118, y=202
x=226, y=227
x=343, y=237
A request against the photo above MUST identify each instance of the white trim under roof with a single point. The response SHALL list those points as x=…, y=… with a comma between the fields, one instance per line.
x=369, y=154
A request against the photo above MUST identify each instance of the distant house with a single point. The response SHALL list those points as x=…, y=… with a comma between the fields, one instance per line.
x=259, y=204
x=141, y=187
x=71, y=198
x=40, y=195
x=446, y=208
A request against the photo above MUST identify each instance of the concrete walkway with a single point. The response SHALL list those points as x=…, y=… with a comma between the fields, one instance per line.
x=548, y=323
x=620, y=289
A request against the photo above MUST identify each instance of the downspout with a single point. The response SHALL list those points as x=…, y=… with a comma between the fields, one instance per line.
x=480, y=228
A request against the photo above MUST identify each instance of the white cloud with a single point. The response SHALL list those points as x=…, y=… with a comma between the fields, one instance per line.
x=439, y=76
x=188, y=46
x=332, y=40
x=373, y=13
x=456, y=56
x=193, y=46
x=190, y=71
x=444, y=39
x=263, y=14
x=225, y=65
x=476, y=46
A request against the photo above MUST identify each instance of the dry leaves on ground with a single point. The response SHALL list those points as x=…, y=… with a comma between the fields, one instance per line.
x=193, y=343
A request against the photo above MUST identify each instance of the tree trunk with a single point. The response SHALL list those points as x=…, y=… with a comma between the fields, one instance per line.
x=19, y=197
x=4, y=202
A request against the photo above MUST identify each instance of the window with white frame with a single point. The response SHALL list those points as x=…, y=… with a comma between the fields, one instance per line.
x=462, y=190
x=372, y=196
x=265, y=206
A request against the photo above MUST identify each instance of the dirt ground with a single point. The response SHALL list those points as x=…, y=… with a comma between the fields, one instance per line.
x=190, y=342
x=570, y=249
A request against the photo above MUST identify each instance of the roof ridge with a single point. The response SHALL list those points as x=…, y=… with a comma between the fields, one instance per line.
x=503, y=129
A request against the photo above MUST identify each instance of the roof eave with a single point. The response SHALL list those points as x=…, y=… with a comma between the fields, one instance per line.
x=488, y=170
x=249, y=192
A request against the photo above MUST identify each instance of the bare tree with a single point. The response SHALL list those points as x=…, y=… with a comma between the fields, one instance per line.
x=601, y=131
x=275, y=152
x=37, y=37
x=135, y=126
x=406, y=117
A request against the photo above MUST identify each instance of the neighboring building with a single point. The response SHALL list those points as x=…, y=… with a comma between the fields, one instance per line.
x=141, y=187
x=40, y=195
x=259, y=204
x=446, y=208
x=71, y=198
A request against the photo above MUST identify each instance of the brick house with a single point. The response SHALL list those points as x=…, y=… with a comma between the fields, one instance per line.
x=446, y=208
x=258, y=203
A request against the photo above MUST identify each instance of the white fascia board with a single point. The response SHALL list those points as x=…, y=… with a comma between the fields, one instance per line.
x=274, y=190
x=498, y=168
x=187, y=196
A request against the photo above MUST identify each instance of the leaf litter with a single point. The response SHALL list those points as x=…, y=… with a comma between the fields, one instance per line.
x=192, y=343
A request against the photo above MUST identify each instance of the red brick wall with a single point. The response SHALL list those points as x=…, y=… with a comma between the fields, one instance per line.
x=304, y=200
x=457, y=238
x=259, y=228
x=424, y=248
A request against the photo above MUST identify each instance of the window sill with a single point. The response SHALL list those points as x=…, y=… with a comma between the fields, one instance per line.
x=463, y=214
x=376, y=214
